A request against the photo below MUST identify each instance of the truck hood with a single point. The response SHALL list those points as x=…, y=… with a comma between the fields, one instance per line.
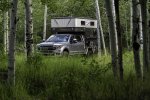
x=51, y=43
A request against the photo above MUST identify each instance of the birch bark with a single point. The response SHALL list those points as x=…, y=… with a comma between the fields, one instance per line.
x=12, y=42
x=119, y=35
x=6, y=30
x=112, y=30
x=136, y=37
x=145, y=34
x=45, y=22
x=98, y=16
x=29, y=28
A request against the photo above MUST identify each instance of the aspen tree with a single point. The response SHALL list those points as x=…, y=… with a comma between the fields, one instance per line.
x=12, y=43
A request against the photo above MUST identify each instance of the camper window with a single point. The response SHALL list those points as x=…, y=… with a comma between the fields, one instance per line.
x=92, y=23
x=82, y=22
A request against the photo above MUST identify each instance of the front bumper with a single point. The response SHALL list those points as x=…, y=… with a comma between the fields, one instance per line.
x=48, y=51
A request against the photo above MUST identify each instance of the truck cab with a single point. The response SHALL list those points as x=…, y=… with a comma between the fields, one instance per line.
x=63, y=43
x=69, y=39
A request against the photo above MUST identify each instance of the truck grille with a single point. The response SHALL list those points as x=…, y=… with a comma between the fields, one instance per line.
x=47, y=48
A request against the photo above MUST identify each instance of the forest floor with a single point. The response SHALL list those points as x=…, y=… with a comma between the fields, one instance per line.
x=72, y=78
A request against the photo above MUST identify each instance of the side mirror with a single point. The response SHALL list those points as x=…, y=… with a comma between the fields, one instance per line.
x=73, y=41
x=43, y=40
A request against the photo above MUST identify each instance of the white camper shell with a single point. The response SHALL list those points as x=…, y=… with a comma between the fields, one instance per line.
x=73, y=22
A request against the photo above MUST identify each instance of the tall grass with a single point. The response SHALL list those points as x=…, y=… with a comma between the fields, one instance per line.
x=73, y=78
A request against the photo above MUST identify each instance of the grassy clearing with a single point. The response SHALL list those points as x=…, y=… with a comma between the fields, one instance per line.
x=72, y=78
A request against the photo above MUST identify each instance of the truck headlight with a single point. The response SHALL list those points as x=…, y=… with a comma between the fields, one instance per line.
x=58, y=46
x=38, y=47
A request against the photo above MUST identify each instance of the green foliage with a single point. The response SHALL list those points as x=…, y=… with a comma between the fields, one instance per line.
x=60, y=8
x=4, y=5
x=3, y=60
x=73, y=78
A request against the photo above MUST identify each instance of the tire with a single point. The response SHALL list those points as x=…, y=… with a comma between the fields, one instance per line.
x=90, y=52
x=65, y=53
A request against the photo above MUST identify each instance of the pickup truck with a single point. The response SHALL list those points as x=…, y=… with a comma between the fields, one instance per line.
x=70, y=36
x=65, y=44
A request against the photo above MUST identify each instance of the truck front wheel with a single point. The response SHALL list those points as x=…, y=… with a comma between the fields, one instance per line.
x=65, y=53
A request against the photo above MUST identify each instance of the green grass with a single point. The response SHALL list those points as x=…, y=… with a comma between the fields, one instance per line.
x=72, y=78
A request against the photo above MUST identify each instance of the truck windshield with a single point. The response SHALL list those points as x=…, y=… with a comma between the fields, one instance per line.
x=58, y=38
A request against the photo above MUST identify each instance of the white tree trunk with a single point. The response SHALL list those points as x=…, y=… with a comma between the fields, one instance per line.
x=6, y=30
x=144, y=16
x=131, y=24
x=25, y=51
x=98, y=16
x=12, y=42
x=112, y=30
x=98, y=39
x=140, y=25
x=148, y=20
x=114, y=17
x=126, y=31
x=45, y=22
x=119, y=36
x=135, y=37
x=29, y=28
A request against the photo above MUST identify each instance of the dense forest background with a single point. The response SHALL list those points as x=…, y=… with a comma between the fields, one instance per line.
x=60, y=8
x=120, y=73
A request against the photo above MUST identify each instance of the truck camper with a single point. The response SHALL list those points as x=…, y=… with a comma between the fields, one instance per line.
x=71, y=36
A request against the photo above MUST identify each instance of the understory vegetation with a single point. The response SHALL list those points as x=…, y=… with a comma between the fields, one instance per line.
x=72, y=78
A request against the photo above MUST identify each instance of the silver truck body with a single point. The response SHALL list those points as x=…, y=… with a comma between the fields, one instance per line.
x=72, y=36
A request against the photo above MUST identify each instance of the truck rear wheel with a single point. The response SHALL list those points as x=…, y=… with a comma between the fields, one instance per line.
x=90, y=52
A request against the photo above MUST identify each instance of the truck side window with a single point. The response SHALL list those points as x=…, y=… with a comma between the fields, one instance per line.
x=71, y=39
x=78, y=37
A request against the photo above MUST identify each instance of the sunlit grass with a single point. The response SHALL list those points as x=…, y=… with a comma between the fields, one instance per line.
x=72, y=78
